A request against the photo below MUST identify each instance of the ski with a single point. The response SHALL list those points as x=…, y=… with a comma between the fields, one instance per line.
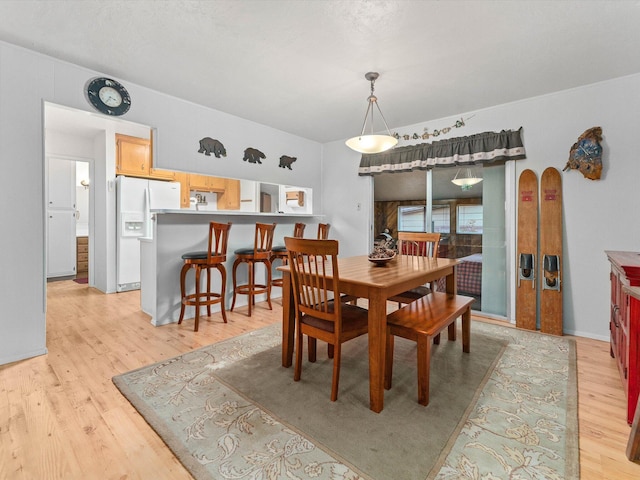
x=527, y=251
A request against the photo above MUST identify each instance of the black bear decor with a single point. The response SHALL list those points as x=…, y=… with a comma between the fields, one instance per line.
x=253, y=155
x=208, y=145
x=286, y=161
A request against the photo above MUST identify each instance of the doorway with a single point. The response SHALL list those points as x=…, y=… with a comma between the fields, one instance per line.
x=471, y=221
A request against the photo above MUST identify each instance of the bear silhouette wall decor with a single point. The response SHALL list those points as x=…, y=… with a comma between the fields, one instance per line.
x=286, y=161
x=210, y=145
x=253, y=155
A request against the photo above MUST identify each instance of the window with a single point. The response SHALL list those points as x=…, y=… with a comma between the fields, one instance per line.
x=440, y=217
x=469, y=219
x=411, y=218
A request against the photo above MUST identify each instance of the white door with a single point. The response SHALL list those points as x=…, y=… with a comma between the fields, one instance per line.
x=61, y=217
x=61, y=243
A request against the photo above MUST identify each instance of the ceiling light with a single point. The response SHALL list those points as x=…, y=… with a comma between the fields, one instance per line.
x=371, y=143
x=466, y=178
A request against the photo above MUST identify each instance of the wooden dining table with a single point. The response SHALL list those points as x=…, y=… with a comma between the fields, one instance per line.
x=363, y=279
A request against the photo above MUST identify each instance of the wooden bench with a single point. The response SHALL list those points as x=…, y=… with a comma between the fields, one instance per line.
x=422, y=321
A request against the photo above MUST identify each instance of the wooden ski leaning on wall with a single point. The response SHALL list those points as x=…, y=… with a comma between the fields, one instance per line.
x=551, y=252
x=527, y=251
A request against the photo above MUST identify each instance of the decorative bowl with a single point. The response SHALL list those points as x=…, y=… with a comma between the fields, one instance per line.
x=379, y=259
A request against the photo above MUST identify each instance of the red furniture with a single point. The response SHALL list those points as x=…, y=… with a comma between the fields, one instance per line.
x=624, y=322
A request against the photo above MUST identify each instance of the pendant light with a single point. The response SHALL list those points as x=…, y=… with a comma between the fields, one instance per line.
x=466, y=178
x=372, y=143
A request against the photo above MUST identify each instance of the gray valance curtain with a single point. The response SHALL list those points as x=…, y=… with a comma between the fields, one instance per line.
x=487, y=147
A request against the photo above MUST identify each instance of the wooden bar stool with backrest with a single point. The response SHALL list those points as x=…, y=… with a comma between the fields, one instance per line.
x=279, y=252
x=213, y=257
x=323, y=231
x=259, y=253
x=316, y=282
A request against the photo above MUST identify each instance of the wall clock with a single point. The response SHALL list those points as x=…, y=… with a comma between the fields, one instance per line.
x=108, y=96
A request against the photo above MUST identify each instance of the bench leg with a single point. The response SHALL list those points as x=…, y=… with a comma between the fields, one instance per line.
x=466, y=330
x=424, y=363
x=388, y=362
x=436, y=339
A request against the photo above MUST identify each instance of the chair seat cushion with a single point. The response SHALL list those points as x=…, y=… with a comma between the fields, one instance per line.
x=279, y=249
x=410, y=295
x=195, y=255
x=247, y=251
x=353, y=318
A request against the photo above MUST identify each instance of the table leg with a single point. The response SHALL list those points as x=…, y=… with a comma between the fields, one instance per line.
x=377, y=345
x=288, y=320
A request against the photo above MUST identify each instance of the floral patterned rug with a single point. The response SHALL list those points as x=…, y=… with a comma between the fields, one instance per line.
x=519, y=420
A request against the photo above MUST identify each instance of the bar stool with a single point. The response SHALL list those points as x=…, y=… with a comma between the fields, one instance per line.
x=259, y=253
x=280, y=251
x=323, y=231
x=214, y=257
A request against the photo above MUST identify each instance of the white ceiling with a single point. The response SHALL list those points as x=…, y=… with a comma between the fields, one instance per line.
x=299, y=65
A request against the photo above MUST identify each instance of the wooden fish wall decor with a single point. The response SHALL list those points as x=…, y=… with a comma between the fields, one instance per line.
x=209, y=145
x=586, y=154
x=253, y=155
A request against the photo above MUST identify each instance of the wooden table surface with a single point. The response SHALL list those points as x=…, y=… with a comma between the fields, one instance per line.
x=361, y=278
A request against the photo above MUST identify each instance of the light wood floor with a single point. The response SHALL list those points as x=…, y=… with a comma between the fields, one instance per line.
x=61, y=417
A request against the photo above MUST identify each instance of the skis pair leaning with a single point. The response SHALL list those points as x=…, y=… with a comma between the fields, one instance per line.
x=549, y=245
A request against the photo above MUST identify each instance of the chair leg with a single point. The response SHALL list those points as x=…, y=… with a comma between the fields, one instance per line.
x=208, y=291
x=388, y=361
x=251, y=297
x=223, y=289
x=336, y=372
x=198, y=269
x=183, y=275
x=312, y=345
x=235, y=282
x=424, y=364
x=269, y=280
x=330, y=350
x=297, y=371
x=436, y=339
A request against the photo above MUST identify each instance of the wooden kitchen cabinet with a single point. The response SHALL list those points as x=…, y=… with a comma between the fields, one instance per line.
x=133, y=156
x=230, y=198
x=160, y=174
x=206, y=183
x=185, y=194
x=624, y=322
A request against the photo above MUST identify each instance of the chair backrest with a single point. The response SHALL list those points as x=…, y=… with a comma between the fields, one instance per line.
x=298, y=230
x=314, y=277
x=323, y=231
x=218, y=238
x=418, y=244
x=263, y=241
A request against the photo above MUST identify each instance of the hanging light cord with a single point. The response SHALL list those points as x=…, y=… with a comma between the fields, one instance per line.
x=373, y=99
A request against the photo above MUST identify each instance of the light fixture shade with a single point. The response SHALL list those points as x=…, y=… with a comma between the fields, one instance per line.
x=372, y=143
x=466, y=177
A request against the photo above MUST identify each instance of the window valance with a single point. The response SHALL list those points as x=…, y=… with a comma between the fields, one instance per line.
x=487, y=147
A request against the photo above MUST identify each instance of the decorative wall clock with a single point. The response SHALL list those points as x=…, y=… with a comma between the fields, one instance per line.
x=108, y=96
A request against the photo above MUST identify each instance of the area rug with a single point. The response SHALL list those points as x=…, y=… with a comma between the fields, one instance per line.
x=81, y=280
x=231, y=411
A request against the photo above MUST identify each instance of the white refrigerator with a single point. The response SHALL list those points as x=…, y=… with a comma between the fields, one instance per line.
x=135, y=197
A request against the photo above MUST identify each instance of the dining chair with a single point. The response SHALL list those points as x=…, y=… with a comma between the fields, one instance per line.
x=279, y=252
x=416, y=244
x=316, y=282
x=213, y=257
x=259, y=253
x=323, y=231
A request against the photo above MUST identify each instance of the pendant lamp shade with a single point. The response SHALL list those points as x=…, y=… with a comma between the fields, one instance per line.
x=466, y=178
x=372, y=143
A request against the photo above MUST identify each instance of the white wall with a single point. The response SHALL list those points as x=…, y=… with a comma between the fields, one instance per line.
x=27, y=79
x=598, y=215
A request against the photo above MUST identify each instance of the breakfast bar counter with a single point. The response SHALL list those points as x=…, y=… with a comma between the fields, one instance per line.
x=178, y=231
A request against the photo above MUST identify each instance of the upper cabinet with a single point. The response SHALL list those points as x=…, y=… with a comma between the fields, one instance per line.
x=133, y=156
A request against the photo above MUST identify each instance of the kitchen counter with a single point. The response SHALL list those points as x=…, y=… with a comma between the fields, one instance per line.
x=179, y=231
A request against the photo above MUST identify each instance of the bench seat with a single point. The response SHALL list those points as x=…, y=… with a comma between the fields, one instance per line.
x=422, y=321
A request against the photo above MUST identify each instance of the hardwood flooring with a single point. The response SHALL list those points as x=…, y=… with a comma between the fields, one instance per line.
x=61, y=417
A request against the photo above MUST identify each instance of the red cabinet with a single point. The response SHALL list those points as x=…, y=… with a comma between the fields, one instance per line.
x=624, y=322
